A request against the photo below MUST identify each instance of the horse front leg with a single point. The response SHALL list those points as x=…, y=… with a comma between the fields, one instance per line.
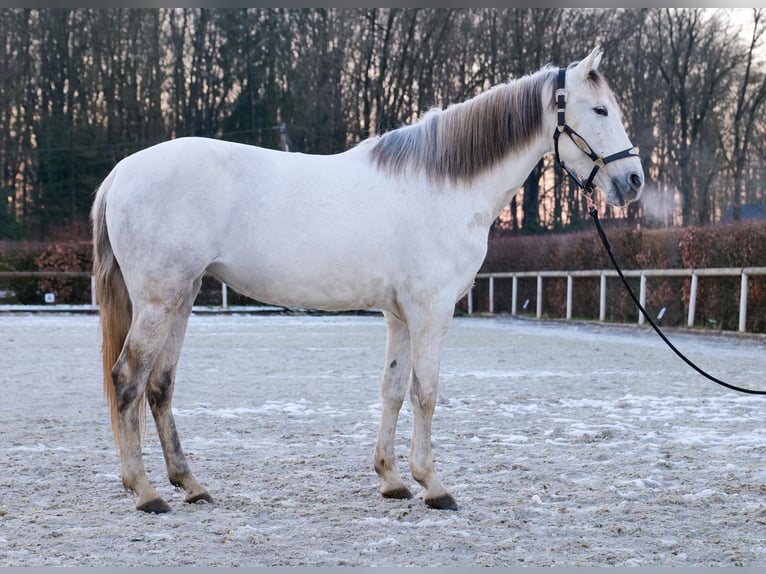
x=396, y=377
x=427, y=337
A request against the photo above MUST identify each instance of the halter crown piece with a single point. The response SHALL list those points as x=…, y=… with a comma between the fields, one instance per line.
x=579, y=141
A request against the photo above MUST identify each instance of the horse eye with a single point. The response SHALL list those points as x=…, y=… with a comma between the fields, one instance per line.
x=601, y=110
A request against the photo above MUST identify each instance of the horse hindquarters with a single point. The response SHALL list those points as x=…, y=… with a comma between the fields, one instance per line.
x=141, y=343
x=122, y=386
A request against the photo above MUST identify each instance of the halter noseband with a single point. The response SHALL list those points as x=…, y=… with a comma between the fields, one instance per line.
x=579, y=141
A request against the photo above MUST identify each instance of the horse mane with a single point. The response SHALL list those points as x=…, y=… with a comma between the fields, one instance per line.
x=467, y=138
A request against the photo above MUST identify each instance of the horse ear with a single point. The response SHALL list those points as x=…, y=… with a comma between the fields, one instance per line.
x=595, y=57
x=588, y=64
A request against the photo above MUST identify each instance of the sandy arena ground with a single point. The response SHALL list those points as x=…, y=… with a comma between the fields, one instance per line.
x=563, y=444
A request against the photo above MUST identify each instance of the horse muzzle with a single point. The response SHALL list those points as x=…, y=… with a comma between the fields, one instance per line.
x=626, y=189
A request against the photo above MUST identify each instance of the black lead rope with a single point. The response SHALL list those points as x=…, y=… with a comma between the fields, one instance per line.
x=587, y=187
x=593, y=212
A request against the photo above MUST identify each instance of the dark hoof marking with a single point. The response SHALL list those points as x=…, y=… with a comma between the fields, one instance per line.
x=156, y=506
x=444, y=502
x=201, y=497
x=400, y=493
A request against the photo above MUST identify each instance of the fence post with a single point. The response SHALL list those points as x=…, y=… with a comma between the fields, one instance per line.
x=470, y=301
x=539, y=313
x=602, y=299
x=642, y=298
x=514, y=294
x=692, y=300
x=743, y=303
x=491, y=294
x=93, y=301
x=570, y=280
x=224, y=295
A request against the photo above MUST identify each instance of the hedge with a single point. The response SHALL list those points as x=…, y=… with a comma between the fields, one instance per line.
x=741, y=245
x=72, y=256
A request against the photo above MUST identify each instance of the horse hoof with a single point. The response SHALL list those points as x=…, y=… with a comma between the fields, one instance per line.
x=200, y=497
x=156, y=506
x=443, y=502
x=402, y=492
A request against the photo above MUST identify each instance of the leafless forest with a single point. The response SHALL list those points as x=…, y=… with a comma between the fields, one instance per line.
x=82, y=88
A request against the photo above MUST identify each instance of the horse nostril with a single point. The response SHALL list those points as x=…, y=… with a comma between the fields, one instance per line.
x=636, y=181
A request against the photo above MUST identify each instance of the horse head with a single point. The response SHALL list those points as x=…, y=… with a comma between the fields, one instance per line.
x=597, y=145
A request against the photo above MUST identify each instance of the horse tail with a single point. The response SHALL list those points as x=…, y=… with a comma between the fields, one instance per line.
x=113, y=301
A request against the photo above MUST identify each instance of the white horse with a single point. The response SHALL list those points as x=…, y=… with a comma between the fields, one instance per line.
x=399, y=223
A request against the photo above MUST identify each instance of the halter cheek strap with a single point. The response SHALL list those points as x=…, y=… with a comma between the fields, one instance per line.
x=579, y=141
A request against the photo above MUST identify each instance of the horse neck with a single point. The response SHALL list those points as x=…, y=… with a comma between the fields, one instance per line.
x=499, y=184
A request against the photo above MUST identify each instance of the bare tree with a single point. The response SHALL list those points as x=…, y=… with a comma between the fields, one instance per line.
x=736, y=135
x=81, y=88
x=695, y=63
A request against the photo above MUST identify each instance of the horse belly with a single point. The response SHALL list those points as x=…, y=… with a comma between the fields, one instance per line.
x=329, y=286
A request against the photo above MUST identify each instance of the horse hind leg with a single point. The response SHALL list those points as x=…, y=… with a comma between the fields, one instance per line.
x=159, y=394
x=130, y=375
x=396, y=377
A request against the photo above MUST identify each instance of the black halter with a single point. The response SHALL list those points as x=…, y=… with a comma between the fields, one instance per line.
x=579, y=141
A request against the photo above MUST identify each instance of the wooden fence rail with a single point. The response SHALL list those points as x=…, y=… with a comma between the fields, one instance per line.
x=570, y=276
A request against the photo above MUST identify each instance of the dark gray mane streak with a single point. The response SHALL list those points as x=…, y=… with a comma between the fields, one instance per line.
x=466, y=139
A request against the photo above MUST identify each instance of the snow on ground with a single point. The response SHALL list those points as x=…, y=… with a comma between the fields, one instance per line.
x=563, y=444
